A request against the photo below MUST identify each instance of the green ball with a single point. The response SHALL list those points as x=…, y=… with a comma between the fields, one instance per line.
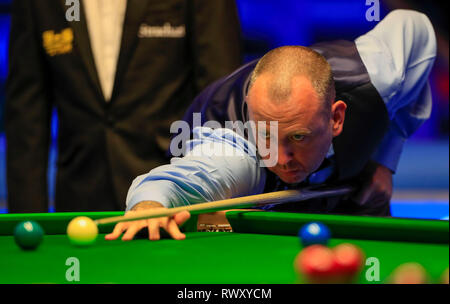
x=28, y=235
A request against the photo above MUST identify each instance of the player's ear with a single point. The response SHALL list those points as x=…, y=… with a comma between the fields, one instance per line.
x=338, y=116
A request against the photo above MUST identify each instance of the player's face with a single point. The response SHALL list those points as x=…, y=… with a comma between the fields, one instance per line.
x=305, y=129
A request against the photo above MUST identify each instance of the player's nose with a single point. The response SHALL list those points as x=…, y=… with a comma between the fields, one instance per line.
x=285, y=155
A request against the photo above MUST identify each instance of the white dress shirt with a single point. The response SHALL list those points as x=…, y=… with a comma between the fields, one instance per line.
x=105, y=23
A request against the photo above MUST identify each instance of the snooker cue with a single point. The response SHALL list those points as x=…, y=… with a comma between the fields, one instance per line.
x=271, y=198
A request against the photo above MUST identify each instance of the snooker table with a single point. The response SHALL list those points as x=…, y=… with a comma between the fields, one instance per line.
x=260, y=249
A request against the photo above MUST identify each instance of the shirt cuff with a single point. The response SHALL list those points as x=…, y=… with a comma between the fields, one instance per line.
x=389, y=152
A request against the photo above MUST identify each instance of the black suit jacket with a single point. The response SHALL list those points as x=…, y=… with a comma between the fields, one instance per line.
x=103, y=145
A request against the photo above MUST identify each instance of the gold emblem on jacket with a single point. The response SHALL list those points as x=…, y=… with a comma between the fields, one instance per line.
x=58, y=43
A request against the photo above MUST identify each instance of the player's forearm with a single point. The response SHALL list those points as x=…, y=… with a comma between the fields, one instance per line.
x=202, y=175
x=192, y=181
x=389, y=152
x=405, y=123
x=146, y=205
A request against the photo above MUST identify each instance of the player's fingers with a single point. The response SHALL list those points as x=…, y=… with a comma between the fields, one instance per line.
x=182, y=217
x=153, y=229
x=132, y=230
x=174, y=231
x=117, y=231
x=362, y=196
x=163, y=222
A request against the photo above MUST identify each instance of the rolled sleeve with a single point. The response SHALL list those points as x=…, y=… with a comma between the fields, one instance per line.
x=398, y=55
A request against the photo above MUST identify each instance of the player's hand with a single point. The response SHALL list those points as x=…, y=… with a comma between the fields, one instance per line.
x=376, y=188
x=170, y=224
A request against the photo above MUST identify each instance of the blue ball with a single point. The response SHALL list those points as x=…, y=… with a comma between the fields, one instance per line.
x=314, y=233
x=28, y=235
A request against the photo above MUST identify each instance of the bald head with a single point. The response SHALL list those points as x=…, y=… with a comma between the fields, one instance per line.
x=284, y=63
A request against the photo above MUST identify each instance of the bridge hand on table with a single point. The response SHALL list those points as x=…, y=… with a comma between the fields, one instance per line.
x=170, y=224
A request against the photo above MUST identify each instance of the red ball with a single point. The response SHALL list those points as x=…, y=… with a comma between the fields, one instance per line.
x=316, y=264
x=349, y=260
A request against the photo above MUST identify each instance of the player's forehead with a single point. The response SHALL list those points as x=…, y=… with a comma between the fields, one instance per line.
x=301, y=103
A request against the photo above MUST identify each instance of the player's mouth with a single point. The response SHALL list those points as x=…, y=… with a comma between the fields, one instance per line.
x=292, y=176
x=290, y=169
x=291, y=173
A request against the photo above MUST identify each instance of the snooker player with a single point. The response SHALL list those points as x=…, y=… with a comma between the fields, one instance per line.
x=344, y=110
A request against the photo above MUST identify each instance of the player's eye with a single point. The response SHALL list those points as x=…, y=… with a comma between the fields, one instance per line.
x=265, y=135
x=297, y=137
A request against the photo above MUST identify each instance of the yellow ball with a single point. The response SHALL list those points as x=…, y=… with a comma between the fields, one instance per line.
x=82, y=231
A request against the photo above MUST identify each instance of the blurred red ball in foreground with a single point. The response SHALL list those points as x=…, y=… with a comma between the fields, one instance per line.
x=316, y=264
x=349, y=260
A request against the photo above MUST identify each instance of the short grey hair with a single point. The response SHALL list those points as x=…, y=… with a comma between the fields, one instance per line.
x=288, y=61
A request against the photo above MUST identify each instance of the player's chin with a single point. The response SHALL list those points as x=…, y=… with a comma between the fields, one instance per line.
x=293, y=177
